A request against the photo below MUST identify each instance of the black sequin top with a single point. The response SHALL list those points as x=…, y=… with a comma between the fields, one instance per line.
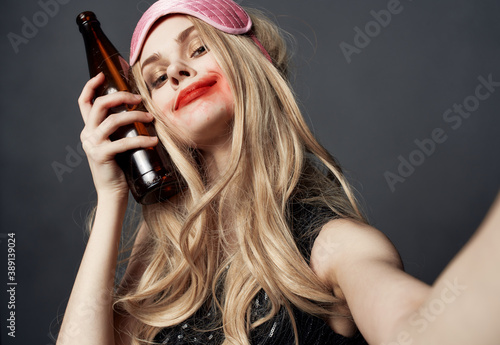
x=278, y=330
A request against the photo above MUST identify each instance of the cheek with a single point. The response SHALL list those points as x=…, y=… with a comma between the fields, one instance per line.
x=226, y=99
x=164, y=102
x=225, y=96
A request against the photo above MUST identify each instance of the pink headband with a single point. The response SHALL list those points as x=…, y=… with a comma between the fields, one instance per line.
x=224, y=15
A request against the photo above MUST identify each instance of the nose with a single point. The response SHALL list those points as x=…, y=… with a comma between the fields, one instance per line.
x=177, y=72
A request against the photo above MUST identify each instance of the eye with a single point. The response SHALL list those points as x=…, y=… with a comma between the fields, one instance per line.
x=159, y=80
x=199, y=51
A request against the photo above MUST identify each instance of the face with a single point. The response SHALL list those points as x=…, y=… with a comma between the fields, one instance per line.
x=186, y=83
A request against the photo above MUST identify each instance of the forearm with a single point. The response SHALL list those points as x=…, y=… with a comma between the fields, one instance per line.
x=463, y=306
x=89, y=317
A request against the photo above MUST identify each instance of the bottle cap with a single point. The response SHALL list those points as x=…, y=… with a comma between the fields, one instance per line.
x=85, y=17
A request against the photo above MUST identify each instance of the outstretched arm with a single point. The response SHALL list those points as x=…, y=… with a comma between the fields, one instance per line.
x=391, y=307
x=464, y=304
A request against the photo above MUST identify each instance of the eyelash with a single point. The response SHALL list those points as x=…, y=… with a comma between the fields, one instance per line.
x=158, y=81
x=197, y=50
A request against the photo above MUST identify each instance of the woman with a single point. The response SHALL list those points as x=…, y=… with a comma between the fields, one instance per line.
x=267, y=244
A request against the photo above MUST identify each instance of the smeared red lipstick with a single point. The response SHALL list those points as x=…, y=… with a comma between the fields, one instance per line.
x=193, y=91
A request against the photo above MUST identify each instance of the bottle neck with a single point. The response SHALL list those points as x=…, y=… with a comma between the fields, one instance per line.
x=103, y=57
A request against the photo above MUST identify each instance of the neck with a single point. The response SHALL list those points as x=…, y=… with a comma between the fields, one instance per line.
x=215, y=159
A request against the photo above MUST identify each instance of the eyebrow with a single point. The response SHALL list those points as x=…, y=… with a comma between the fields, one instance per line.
x=184, y=34
x=180, y=39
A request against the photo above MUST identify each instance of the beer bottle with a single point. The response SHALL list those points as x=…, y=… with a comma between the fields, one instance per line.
x=149, y=172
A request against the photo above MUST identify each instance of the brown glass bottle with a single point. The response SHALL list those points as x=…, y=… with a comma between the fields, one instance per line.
x=149, y=172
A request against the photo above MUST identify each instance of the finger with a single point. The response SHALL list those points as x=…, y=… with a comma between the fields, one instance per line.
x=92, y=137
x=106, y=151
x=103, y=104
x=87, y=95
x=115, y=121
x=130, y=143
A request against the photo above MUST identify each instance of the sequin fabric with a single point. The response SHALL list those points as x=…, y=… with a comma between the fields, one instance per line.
x=202, y=327
x=277, y=331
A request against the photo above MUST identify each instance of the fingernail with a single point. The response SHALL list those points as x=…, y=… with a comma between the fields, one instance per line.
x=138, y=97
x=97, y=76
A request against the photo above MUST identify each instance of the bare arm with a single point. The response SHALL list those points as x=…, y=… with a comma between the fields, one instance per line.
x=392, y=308
x=363, y=267
x=89, y=316
x=464, y=304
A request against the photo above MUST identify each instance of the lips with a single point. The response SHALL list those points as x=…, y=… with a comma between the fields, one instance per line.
x=193, y=91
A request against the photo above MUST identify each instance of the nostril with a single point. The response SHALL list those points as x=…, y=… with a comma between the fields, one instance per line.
x=184, y=73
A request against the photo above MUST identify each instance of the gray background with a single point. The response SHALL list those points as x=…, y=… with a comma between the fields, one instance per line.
x=367, y=113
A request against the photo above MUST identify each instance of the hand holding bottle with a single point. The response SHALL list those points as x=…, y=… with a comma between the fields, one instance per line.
x=100, y=150
x=149, y=172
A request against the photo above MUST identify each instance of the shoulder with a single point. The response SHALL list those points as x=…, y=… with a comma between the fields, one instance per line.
x=363, y=268
x=342, y=244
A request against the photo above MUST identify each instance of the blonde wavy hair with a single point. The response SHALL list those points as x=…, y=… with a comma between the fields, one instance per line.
x=274, y=158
